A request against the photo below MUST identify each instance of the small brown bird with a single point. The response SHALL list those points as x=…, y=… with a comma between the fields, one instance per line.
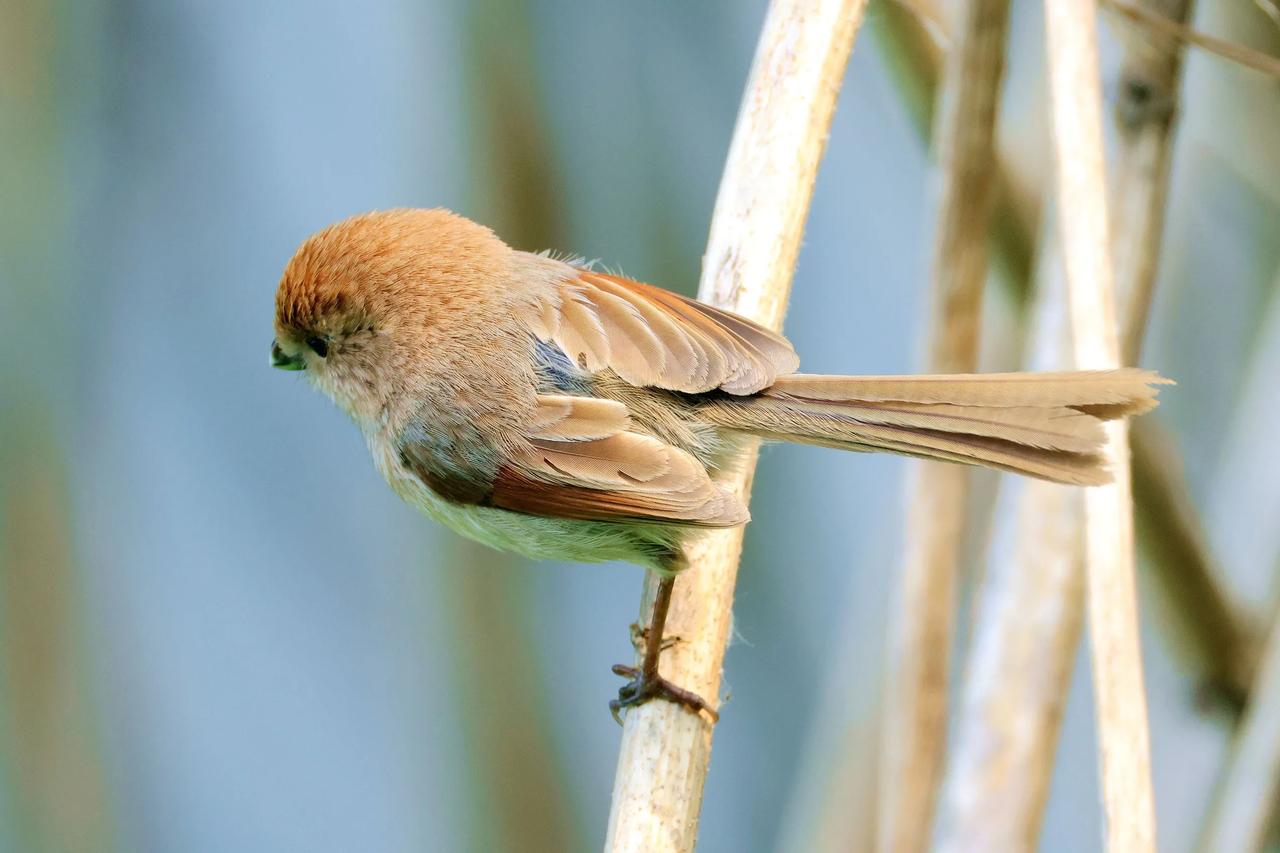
x=541, y=407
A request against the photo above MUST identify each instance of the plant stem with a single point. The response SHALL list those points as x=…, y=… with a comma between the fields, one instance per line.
x=1027, y=619
x=1245, y=800
x=1123, y=740
x=755, y=237
x=921, y=627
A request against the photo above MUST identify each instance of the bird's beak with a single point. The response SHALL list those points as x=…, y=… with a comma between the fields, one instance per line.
x=285, y=362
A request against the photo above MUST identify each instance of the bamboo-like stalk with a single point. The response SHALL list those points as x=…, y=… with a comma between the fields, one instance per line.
x=756, y=230
x=1124, y=745
x=915, y=719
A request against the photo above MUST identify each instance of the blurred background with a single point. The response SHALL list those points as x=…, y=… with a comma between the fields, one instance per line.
x=219, y=630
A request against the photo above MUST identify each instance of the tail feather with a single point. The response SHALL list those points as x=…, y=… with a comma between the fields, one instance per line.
x=1106, y=394
x=1046, y=425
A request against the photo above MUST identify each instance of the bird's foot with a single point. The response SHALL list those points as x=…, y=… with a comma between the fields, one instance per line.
x=641, y=689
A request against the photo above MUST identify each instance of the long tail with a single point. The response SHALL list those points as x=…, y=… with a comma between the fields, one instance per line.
x=1046, y=425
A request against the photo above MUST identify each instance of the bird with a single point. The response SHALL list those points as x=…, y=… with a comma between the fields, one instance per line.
x=542, y=407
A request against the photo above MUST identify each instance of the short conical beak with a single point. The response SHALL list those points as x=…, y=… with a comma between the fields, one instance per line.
x=285, y=362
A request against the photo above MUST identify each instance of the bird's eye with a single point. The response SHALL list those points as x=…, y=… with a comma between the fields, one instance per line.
x=318, y=345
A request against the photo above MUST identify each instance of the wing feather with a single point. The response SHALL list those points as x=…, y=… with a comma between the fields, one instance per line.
x=581, y=462
x=654, y=338
x=577, y=459
x=569, y=418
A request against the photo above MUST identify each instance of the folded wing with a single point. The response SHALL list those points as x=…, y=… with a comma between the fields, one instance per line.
x=581, y=462
x=654, y=338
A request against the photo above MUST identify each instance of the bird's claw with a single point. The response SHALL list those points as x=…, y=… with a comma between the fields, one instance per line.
x=640, y=690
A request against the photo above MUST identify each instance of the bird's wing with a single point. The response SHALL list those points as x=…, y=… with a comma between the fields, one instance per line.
x=655, y=338
x=582, y=462
x=577, y=459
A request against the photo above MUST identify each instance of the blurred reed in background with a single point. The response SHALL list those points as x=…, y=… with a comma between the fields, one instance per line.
x=220, y=631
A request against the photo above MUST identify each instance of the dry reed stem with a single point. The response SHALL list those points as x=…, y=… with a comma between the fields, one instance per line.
x=1207, y=619
x=1017, y=677
x=1206, y=625
x=1145, y=110
x=911, y=40
x=1026, y=632
x=1246, y=798
x=1173, y=29
x=916, y=695
x=54, y=768
x=1031, y=605
x=1242, y=815
x=1270, y=9
x=1124, y=745
x=1209, y=626
x=1021, y=754
x=755, y=237
x=833, y=803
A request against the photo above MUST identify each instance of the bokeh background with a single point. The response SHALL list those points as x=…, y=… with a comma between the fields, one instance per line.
x=220, y=631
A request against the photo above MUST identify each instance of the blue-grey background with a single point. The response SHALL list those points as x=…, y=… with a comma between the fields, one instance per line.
x=222, y=632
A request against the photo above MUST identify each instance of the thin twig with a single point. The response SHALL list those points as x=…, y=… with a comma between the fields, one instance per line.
x=1237, y=53
x=1124, y=745
x=755, y=237
x=921, y=628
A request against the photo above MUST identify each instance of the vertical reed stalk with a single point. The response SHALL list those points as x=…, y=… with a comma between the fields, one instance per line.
x=1026, y=632
x=1124, y=745
x=1242, y=815
x=1245, y=801
x=1031, y=605
x=755, y=237
x=1203, y=615
x=1145, y=110
x=512, y=767
x=1206, y=621
x=916, y=701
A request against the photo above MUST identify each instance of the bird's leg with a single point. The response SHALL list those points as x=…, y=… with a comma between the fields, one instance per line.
x=646, y=684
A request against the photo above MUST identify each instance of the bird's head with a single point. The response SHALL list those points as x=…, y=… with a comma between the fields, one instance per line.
x=368, y=305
